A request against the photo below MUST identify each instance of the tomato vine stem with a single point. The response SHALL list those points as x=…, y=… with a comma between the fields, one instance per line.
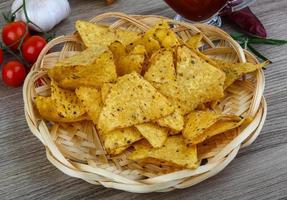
x=11, y=17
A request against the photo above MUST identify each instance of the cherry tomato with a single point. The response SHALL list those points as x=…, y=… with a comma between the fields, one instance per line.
x=32, y=47
x=13, y=73
x=13, y=32
x=1, y=56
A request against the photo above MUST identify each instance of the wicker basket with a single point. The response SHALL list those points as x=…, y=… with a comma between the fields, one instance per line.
x=76, y=150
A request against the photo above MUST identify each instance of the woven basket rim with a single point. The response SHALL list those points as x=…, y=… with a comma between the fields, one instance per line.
x=120, y=180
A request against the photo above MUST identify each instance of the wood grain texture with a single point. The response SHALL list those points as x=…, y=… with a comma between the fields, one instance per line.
x=258, y=172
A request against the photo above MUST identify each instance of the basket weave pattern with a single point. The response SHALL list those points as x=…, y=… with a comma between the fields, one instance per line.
x=76, y=149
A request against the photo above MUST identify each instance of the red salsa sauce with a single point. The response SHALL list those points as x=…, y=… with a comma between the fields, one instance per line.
x=196, y=10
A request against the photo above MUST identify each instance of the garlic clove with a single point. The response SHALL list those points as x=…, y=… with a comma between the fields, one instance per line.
x=44, y=13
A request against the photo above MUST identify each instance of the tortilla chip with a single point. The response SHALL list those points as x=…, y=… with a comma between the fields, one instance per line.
x=66, y=103
x=163, y=34
x=148, y=40
x=105, y=90
x=83, y=58
x=160, y=35
x=118, y=49
x=103, y=70
x=178, y=95
x=213, y=145
x=202, y=80
x=118, y=140
x=161, y=74
x=137, y=58
x=127, y=37
x=151, y=45
x=166, y=37
x=128, y=62
x=154, y=134
x=201, y=125
x=197, y=122
x=91, y=98
x=220, y=126
x=174, y=121
x=161, y=69
x=194, y=41
x=174, y=151
x=204, y=57
x=138, y=50
x=47, y=110
x=93, y=34
x=234, y=71
x=196, y=82
x=117, y=151
x=132, y=100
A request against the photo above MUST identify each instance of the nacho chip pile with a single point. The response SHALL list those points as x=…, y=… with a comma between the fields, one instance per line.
x=150, y=94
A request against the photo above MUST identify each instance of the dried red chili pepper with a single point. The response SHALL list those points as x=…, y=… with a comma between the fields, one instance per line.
x=247, y=21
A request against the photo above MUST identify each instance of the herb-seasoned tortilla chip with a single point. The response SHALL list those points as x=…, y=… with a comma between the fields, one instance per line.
x=150, y=44
x=105, y=90
x=93, y=34
x=117, y=151
x=161, y=74
x=154, y=134
x=66, y=103
x=194, y=41
x=221, y=126
x=161, y=69
x=210, y=147
x=91, y=98
x=178, y=95
x=132, y=100
x=138, y=50
x=201, y=125
x=158, y=36
x=166, y=37
x=47, y=110
x=118, y=140
x=128, y=62
x=173, y=121
x=127, y=37
x=205, y=57
x=83, y=58
x=197, y=122
x=103, y=70
x=234, y=71
x=118, y=49
x=196, y=81
x=173, y=151
x=199, y=77
x=131, y=63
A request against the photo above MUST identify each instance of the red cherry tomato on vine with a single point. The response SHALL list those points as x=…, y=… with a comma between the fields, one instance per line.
x=13, y=73
x=13, y=32
x=1, y=56
x=32, y=47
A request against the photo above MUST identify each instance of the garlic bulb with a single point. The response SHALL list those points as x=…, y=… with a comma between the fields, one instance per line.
x=44, y=13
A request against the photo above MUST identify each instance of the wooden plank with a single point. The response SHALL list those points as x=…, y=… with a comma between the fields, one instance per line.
x=258, y=172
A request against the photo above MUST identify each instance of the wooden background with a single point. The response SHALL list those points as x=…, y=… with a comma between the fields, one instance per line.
x=258, y=172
